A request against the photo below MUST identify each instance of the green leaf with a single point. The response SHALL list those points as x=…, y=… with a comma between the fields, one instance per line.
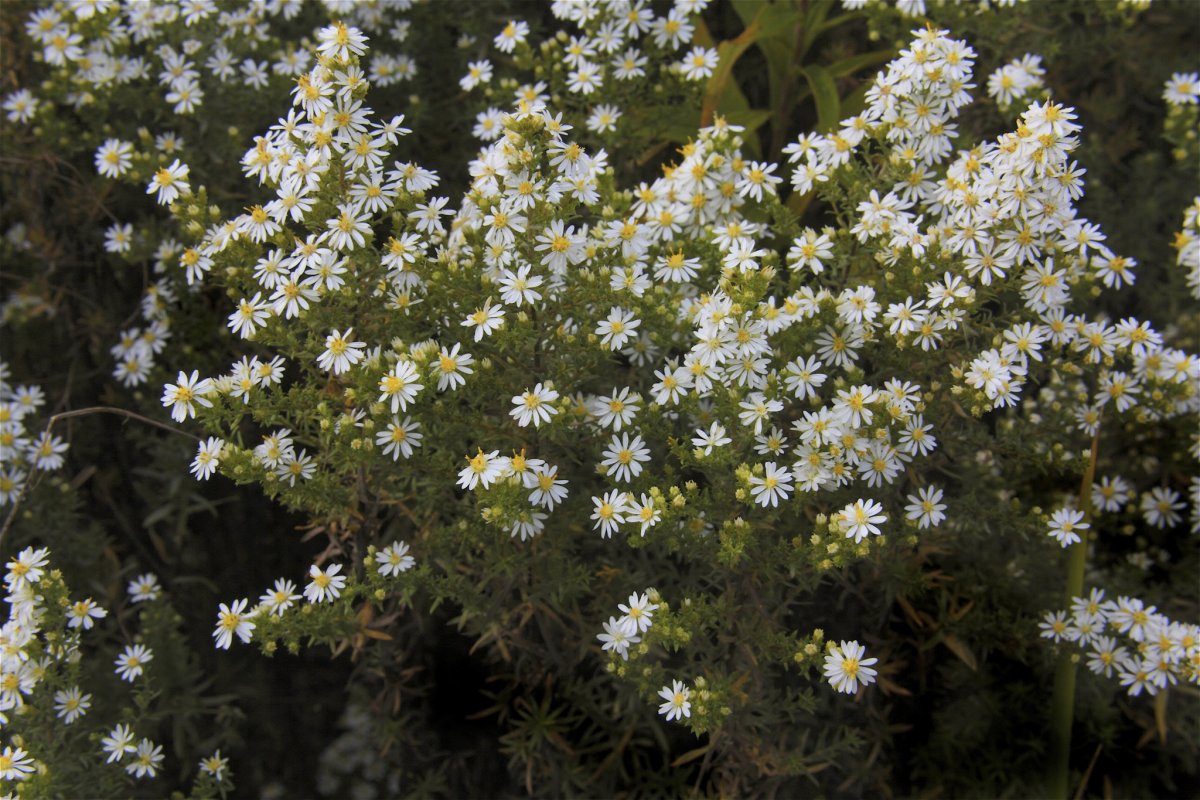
x=825, y=95
x=853, y=64
x=747, y=9
x=830, y=24
x=814, y=23
x=778, y=53
x=778, y=21
x=721, y=91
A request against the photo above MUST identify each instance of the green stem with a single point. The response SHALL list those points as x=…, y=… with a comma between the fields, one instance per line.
x=1063, y=705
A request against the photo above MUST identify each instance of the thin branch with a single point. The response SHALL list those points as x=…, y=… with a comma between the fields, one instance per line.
x=81, y=412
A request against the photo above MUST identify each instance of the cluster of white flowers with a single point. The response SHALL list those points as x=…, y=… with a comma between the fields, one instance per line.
x=697, y=200
x=325, y=585
x=22, y=449
x=1005, y=211
x=612, y=45
x=1187, y=243
x=30, y=652
x=1144, y=649
x=540, y=222
x=137, y=349
x=1159, y=505
x=917, y=8
x=21, y=671
x=546, y=489
x=1016, y=80
x=26, y=653
x=608, y=51
x=147, y=756
x=138, y=44
x=292, y=158
x=636, y=618
x=277, y=454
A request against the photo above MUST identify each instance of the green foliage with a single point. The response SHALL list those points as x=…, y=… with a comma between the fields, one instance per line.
x=478, y=669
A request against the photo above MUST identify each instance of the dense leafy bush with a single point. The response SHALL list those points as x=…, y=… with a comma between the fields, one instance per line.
x=764, y=398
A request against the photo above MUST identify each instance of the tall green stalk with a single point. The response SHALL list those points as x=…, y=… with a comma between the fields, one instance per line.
x=1063, y=704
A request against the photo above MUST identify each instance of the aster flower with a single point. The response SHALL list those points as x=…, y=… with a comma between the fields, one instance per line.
x=15, y=764
x=132, y=661
x=485, y=320
x=233, y=620
x=114, y=157
x=483, y=469
x=860, y=518
x=775, y=485
x=84, y=613
x=71, y=704
x=394, y=559
x=400, y=386
x=340, y=352
x=926, y=507
x=146, y=761
x=169, y=183
x=187, y=392
x=294, y=465
x=326, y=584
x=1065, y=524
x=640, y=610
x=845, y=667
x=214, y=765
x=617, y=328
x=623, y=458
x=279, y=598
x=609, y=512
x=208, y=458
x=340, y=41
x=400, y=438
x=534, y=406
x=677, y=699
x=144, y=588
x=118, y=742
x=618, y=635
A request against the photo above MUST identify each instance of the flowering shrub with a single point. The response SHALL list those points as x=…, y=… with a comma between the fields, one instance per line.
x=702, y=452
